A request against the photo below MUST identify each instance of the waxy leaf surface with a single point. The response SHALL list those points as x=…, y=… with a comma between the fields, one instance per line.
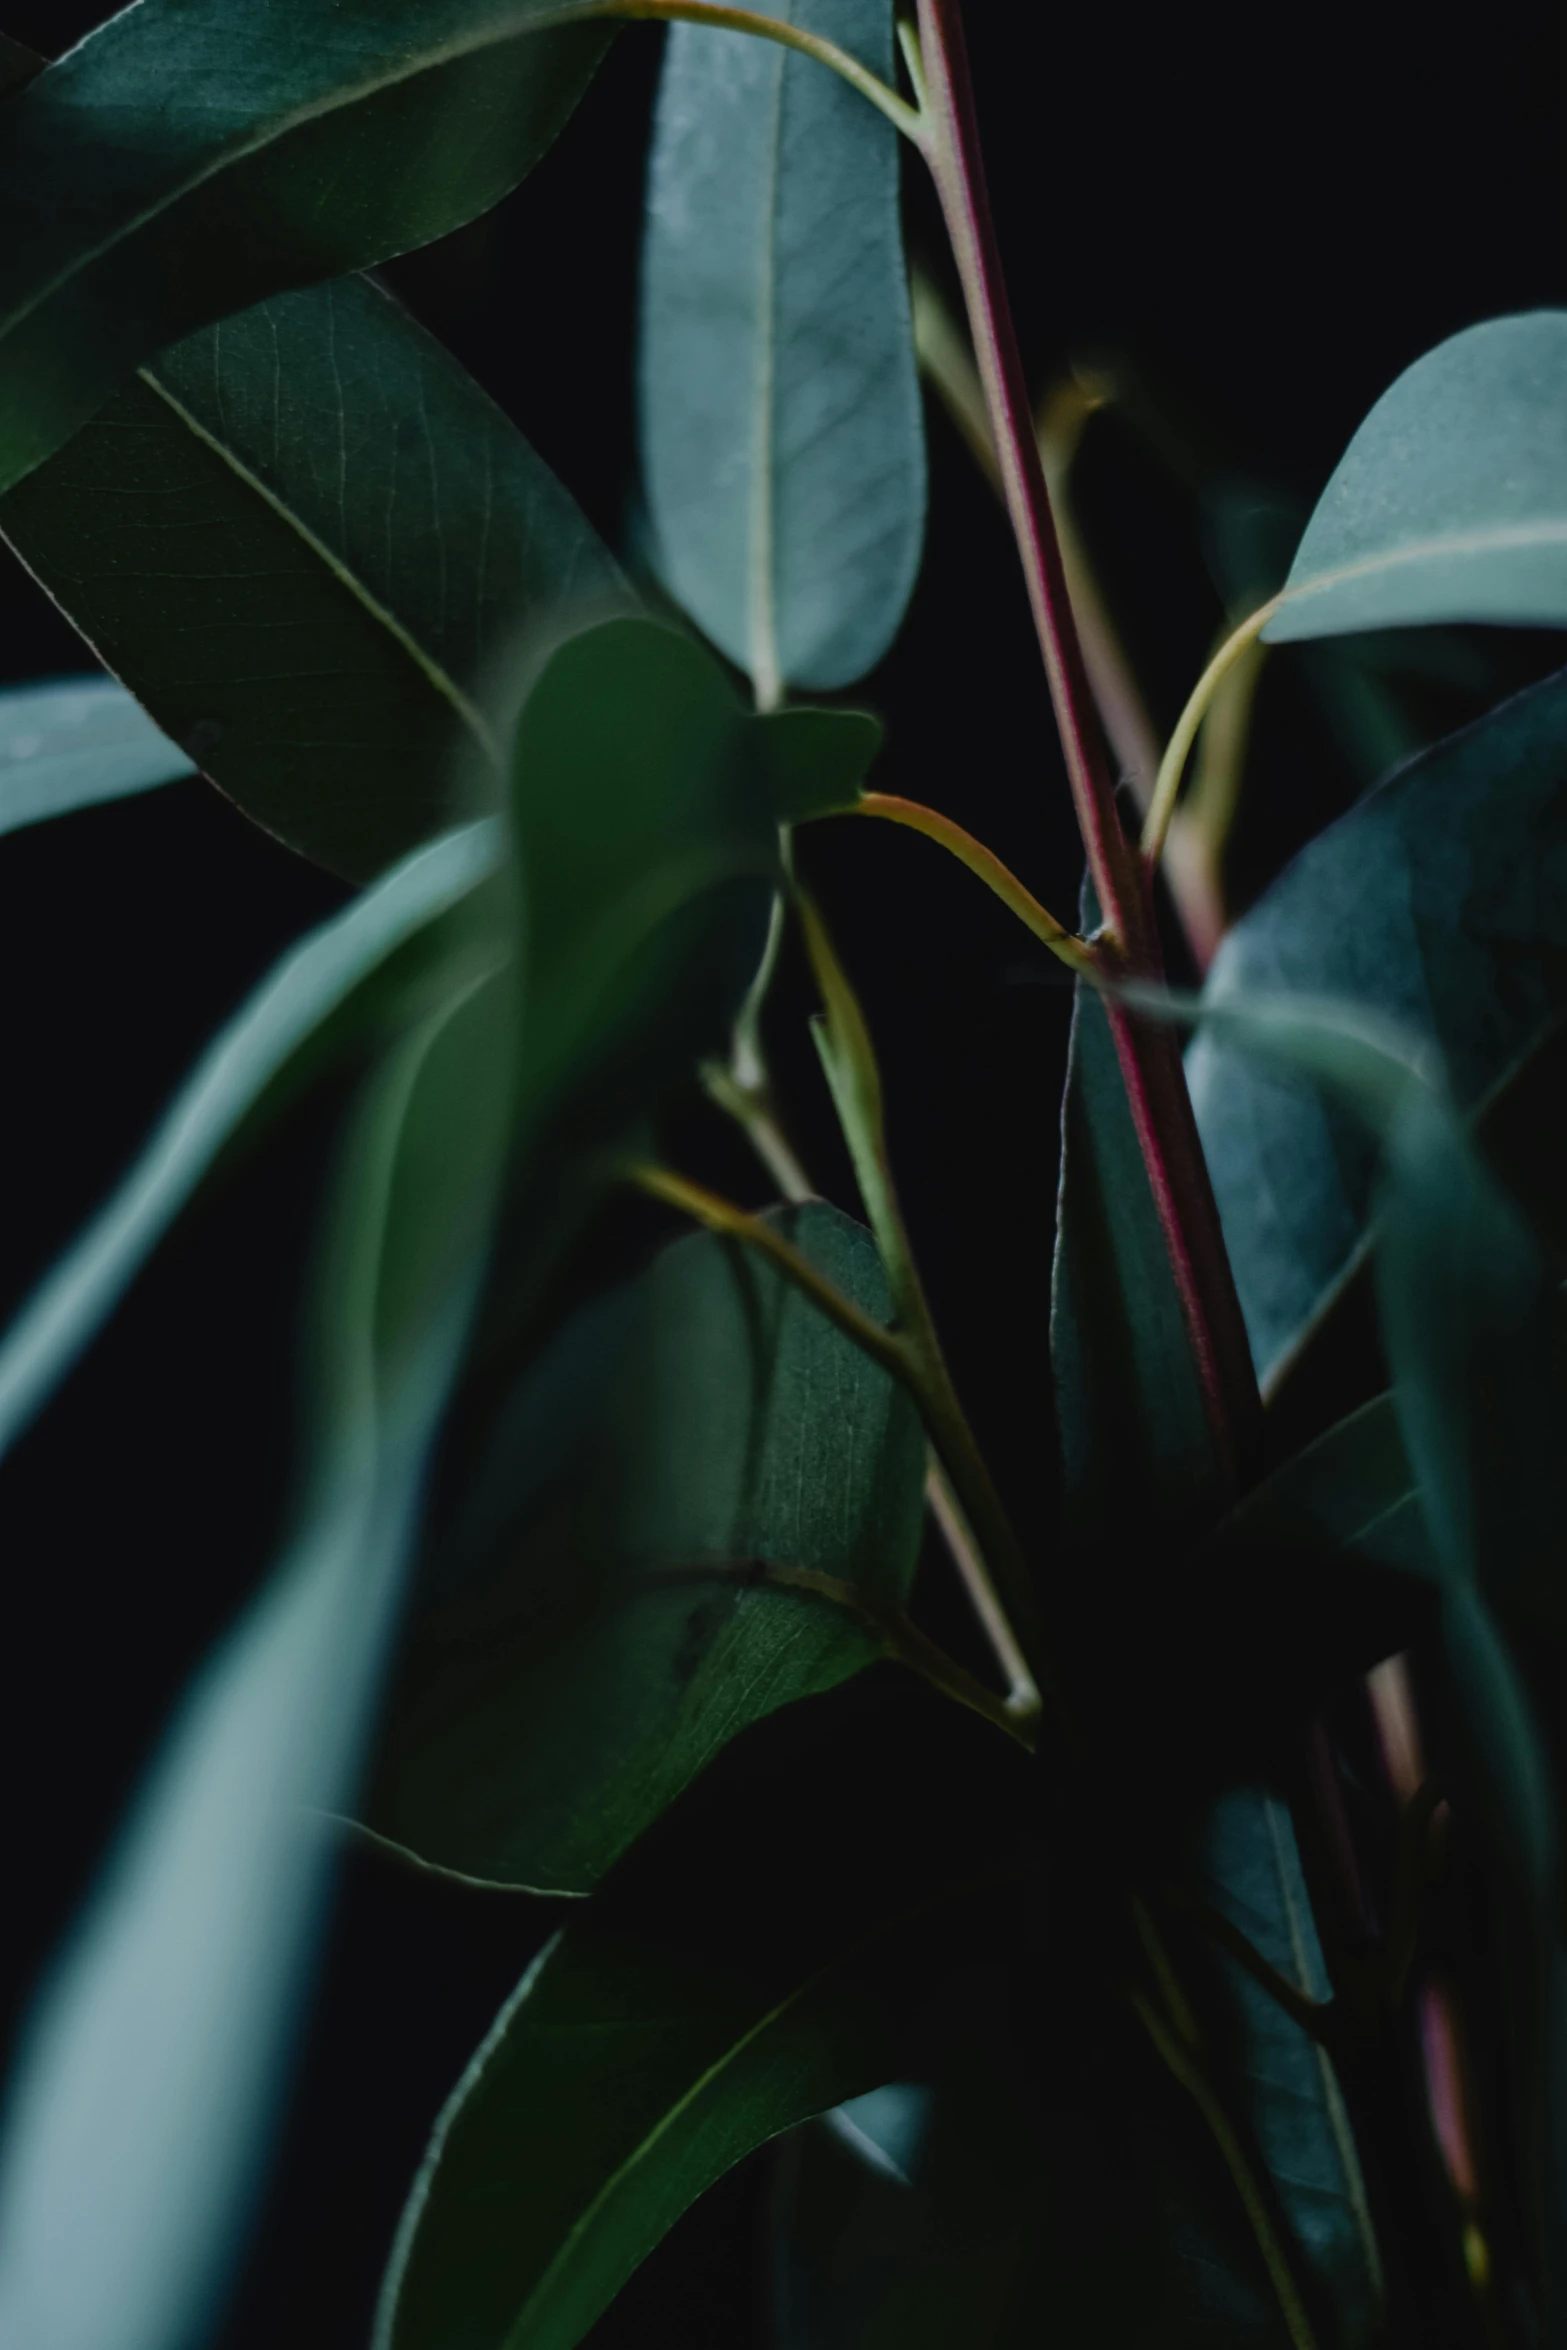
x=185, y=160
x=771, y=1949
x=782, y=439
x=601, y=1621
x=307, y=541
x=1450, y=503
x=74, y=742
x=1440, y=902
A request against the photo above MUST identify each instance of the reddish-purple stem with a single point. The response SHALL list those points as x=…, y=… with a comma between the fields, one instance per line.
x=1149, y=1055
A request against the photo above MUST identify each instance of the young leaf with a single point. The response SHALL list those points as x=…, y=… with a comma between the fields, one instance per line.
x=73, y=743
x=345, y=977
x=305, y=538
x=781, y=429
x=150, y=2072
x=600, y=1620
x=183, y=161
x=1450, y=503
x=768, y=1952
x=1439, y=901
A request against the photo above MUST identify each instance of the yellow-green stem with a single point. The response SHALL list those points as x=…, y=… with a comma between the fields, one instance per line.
x=1172, y=766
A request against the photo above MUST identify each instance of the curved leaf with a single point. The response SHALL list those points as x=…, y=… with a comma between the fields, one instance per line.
x=150, y=2072
x=184, y=160
x=306, y=539
x=781, y=428
x=1450, y=503
x=1440, y=901
x=576, y=1667
x=771, y=1950
x=330, y=975
x=76, y=742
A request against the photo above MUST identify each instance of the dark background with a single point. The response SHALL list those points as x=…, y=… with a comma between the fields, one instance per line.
x=1266, y=220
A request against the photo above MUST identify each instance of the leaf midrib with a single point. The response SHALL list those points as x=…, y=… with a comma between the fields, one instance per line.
x=1474, y=542
x=441, y=679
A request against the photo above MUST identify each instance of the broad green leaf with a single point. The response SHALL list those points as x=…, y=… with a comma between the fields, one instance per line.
x=1450, y=503
x=641, y=798
x=782, y=439
x=76, y=742
x=769, y=1951
x=150, y=2072
x=336, y=978
x=1352, y=1490
x=183, y=161
x=306, y=539
x=819, y=759
x=1139, y=1468
x=601, y=1621
x=1440, y=902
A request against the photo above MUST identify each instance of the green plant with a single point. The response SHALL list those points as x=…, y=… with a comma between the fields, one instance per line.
x=1147, y=2004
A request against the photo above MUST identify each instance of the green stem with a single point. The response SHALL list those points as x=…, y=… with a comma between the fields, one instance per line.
x=1075, y=952
x=1172, y=766
x=905, y=118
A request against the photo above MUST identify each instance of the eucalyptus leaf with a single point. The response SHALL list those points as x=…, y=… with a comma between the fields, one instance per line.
x=601, y=1620
x=782, y=438
x=774, y=1947
x=150, y=2072
x=183, y=161
x=1450, y=503
x=1438, y=902
x=308, y=541
x=327, y=983
x=73, y=743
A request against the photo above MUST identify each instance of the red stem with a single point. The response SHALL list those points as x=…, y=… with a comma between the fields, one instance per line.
x=1148, y=1053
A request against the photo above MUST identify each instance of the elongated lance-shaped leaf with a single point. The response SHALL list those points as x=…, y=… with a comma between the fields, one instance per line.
x=1140, y=1471
x=781, y=428
x=306, y=540
x=186, y=159
x=152, y=2067
x=769, y=1951
x=601, y=1619
x=1450, y=503
x=331, y=977
x=1440, y=902
x=74, y=742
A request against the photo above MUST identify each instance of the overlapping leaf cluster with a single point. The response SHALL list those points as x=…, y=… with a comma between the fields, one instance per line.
x=1098, y=2057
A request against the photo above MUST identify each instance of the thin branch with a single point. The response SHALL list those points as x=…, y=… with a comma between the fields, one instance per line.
x=902, y=1639
x=1023, y=1702
x=1194, y=2079
x=1075, y=952
x=1172, y=766
x=899, y=112
x=1317, y=2018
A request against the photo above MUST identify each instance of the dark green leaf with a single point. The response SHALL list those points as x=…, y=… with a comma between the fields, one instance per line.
x=73, y=743
x=1450, y=503
x=594, y=1637
x=17, y=65
x=305, y=539
x=781, y=428
x=347, y=976
x=819, y=759
x=1136, y=1451
x=184, y=160
x=1439, y=901
x=641, y=799
x=173, y=2006
x=767, y=1952
x=1352, y=1490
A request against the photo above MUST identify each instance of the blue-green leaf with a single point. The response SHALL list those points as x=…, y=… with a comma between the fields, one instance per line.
x=781, y=429
x=186, y=159
x=1438, y=902
x=73, y=743
x=330, y=975
x=1450, y=503
x=152, y=2066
